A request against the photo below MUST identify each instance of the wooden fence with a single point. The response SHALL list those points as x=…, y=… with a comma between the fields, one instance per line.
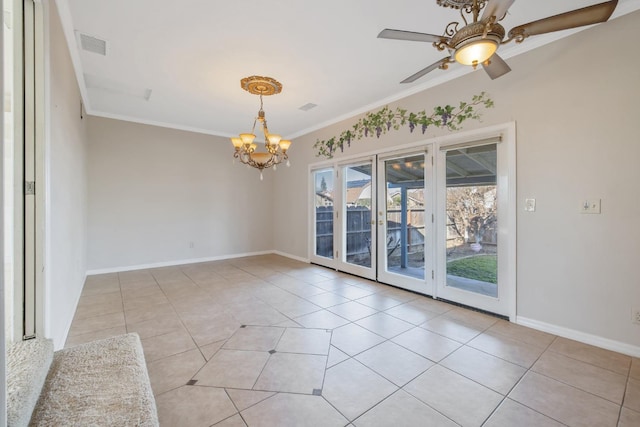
x=359, y=231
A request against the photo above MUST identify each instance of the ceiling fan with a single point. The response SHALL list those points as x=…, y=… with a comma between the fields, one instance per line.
x=477, y=41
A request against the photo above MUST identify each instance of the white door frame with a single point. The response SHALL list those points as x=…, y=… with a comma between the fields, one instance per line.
x=505, y=303
x=423, y=286
x=338, y=260
x=34, y=202
x=340, y=225
x=507, y=225
x=313, y=257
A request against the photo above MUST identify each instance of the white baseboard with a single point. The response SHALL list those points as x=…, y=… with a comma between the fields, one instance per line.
x=294, y=257
x=618, y=346
x=172, y=263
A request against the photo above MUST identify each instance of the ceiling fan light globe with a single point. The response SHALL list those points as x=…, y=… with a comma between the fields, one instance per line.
x=476, y=52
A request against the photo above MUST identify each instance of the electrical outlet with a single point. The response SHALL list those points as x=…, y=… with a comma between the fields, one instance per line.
x=590, y=206
x=635, y=316
x=191, y=245
x=530, y=205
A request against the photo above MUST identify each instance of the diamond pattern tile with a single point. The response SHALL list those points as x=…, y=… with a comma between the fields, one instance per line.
x=268, y=341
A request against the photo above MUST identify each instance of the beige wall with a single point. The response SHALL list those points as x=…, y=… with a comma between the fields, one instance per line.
x=153, y=191
x=575, y=103
x=66, y=176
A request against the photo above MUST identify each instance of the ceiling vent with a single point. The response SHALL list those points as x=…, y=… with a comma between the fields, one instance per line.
x=92, y=44
x=307, y=107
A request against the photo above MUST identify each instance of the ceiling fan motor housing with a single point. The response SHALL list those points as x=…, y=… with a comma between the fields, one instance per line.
x=477, y=42
x=474, y=32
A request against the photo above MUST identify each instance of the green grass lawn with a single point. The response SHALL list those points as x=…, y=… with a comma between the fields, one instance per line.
x=481, y=267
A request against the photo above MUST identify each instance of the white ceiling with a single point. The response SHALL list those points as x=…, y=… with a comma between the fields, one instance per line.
x=191, y=55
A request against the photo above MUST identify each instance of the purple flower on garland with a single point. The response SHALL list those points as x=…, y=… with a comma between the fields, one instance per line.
x=442, y=117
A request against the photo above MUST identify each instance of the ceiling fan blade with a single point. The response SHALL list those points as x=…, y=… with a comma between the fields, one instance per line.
x=409, y=35
x=496, y=67
x=574, y=19
x=424, y=71
x=497, y=8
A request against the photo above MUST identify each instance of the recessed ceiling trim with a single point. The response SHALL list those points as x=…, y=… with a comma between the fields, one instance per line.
x=126, y=118
x=115, y=87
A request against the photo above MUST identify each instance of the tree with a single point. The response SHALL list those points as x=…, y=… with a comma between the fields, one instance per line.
x=471, y=211
x=323, y=185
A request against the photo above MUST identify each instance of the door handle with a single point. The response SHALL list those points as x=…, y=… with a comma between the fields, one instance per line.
x=381, y=222
x=373, y=221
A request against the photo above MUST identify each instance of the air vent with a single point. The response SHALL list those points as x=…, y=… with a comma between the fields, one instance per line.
x=307, y=107
x=92, y=44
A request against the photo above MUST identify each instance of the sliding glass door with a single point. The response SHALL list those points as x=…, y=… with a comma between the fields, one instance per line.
x=404, y=221
x=474, y=220
x=438, y=219
x=357, y=233
x=373, y=218
x=344, y=232
x=323, y=216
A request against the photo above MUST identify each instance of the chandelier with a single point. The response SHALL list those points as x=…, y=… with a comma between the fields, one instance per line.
x=275, y=147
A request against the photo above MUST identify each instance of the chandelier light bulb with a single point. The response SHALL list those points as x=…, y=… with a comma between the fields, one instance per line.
x=247, y=138
x=274, y=138
x=237, y=142
x=285, y=144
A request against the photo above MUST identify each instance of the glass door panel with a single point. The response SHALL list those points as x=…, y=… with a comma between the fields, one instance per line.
x=358, y=249
x=404, y=234
x=472, y=220
x=323, y=212
x=476, y=235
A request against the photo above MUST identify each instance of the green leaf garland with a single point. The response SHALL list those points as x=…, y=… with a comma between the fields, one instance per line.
x=382, y=121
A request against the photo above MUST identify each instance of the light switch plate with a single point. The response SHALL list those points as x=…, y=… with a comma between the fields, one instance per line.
x=529, y=205
x=590, y=206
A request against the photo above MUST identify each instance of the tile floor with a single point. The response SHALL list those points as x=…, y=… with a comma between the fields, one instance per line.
x=267, y=341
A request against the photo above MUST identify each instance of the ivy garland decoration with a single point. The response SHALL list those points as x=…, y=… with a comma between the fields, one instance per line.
x=380, y=122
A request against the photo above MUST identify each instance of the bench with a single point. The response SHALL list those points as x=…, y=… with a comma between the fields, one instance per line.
x=101, y=383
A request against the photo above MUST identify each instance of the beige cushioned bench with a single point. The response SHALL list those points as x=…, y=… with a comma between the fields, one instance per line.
x=101, y=383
